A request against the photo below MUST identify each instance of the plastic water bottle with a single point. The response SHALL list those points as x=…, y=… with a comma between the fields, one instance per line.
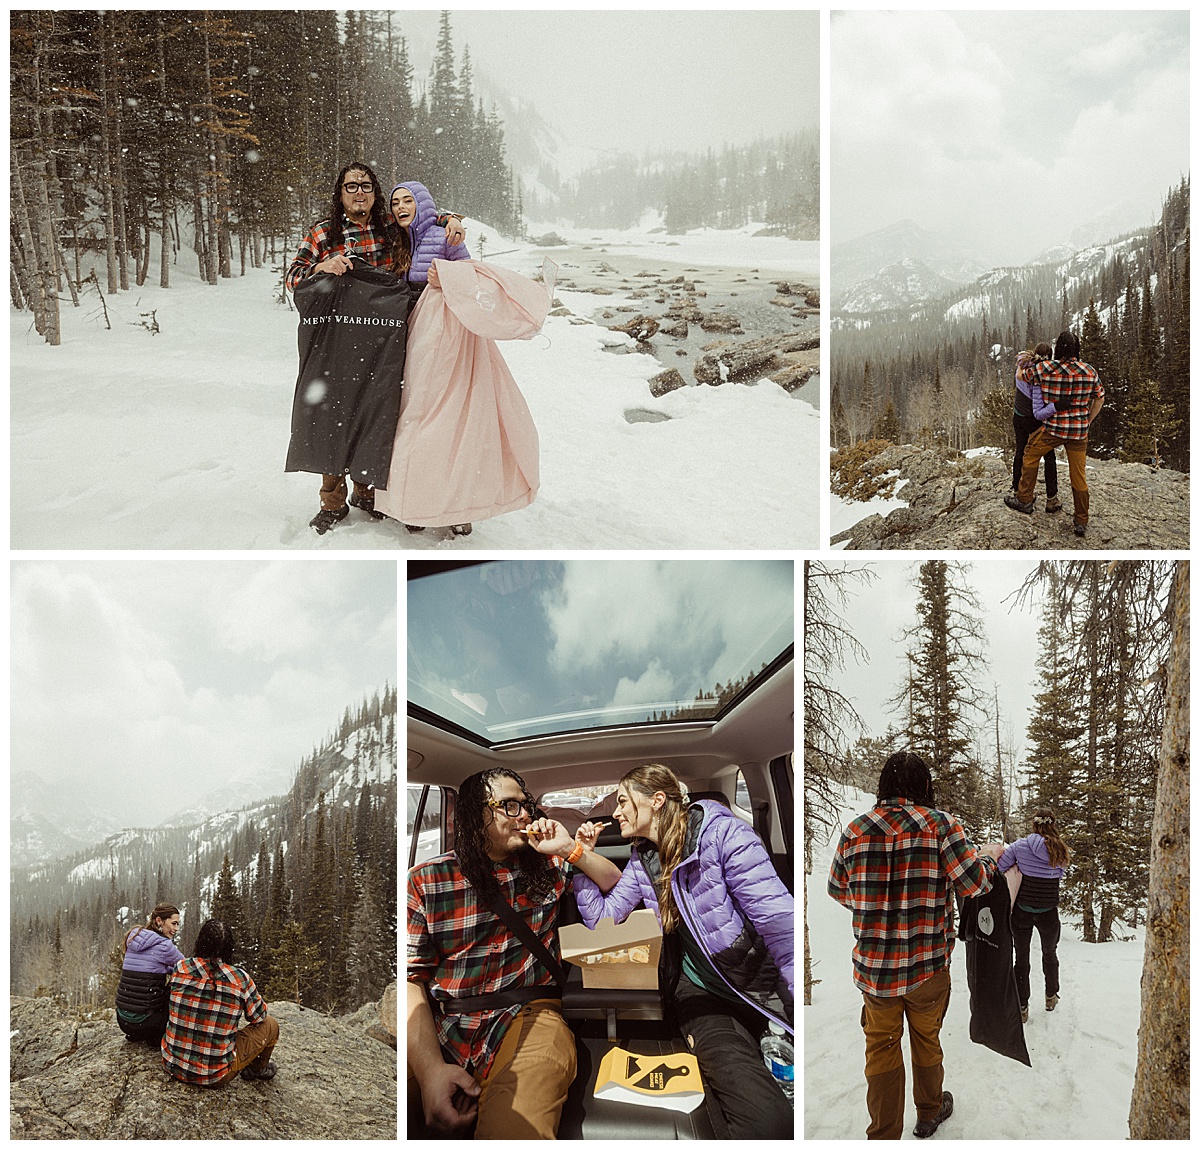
x=779, y=1056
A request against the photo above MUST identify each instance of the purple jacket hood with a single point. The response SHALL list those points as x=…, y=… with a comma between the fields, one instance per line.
x=426, y=239
x=727, y=891
x=148, y=951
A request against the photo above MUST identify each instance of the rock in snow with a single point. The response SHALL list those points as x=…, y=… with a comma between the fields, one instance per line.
x=957, y=503
x=73, y=1078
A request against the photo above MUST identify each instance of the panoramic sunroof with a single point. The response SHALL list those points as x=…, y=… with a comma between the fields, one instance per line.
x=509, y=650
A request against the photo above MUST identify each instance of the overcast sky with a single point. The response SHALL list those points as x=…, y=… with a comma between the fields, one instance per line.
x=880, y=610
x=144, y=685
x=600, y=641
x=639, y=80
x=1005, y=130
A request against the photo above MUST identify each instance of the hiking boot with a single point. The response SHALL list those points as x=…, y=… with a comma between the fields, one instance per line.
x=1051, y=1001
x=1081, y=529
x=366, y=503
x=263, y=1075
x=324, y=519
x=1013, y=502
x=926, y=1126
x=1025, y=1012
x=1053, y=504
x=461, y=529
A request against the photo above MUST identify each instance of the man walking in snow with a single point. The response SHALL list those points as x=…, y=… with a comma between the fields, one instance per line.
x=1074, y=388
x=897, y=868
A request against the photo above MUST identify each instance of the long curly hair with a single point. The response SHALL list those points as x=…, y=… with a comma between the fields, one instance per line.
x=378, y=218
x=1044, y=825
x=672, y=819
x=473, y=816
x=906, y=776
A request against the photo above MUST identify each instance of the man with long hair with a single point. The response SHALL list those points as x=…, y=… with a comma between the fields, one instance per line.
x=1074, y=388
x=357, y=225
x=897, y=868
x=487, y=1043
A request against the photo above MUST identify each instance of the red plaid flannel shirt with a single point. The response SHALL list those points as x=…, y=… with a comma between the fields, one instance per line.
x=1071, y=385
x=202, y=1025
x=367, y=242
x=897, y=868
x=458, y=947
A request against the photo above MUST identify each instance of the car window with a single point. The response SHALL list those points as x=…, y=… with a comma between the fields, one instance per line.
x=741, y=793
x=428, y=834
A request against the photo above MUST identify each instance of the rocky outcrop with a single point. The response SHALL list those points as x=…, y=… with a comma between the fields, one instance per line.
x=789, y=360
x=955, y=503
x=75, y=1077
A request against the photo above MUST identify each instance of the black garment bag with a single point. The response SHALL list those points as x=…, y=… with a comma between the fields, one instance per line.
x=352, y=335
x=984, y=924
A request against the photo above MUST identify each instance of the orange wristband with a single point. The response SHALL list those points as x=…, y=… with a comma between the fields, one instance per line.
x=576, y=854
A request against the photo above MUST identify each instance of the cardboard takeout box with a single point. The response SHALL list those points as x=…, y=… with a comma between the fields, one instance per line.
x=615, y=956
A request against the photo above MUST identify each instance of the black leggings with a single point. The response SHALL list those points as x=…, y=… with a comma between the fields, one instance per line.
x=1024, y=426
x=725, y=1037
x=151, y=1031
x=1049, y=929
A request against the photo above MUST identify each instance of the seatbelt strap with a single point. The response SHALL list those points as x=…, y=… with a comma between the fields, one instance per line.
x=505, y=912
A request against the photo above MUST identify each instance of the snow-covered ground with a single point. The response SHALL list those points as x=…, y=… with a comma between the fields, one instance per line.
x=1083, y=1054
x=124, y=439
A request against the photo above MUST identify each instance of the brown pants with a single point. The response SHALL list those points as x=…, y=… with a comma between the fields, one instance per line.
x=527, y=1083
x=333, y=491
x=883, y=1024
x=1040, y=443
x=253, y=1045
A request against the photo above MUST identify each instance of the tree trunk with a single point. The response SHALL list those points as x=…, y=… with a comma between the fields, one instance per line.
x=107, y=177
x=1161, y=1085
x=164, y=250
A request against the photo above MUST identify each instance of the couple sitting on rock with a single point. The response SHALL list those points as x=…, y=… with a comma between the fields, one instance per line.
x=190, y=1007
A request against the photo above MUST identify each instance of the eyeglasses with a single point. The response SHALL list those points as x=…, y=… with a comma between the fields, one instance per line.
x=513, y=807
x=357, y=187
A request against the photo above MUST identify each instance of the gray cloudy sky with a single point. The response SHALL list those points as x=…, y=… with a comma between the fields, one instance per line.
x=879, y=611
x=638, y=80
x=1005, y=130
x=144, y=685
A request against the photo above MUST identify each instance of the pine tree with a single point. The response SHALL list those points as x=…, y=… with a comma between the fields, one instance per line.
x=227, y=907
x=945, y=654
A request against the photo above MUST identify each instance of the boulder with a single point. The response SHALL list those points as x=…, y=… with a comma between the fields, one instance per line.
x=641, y=327
x=675, y=328
x=77, y=1077
x=549, y=240
x=956, y=503
x=735, y=365
x=666, y=381
x=719, y=321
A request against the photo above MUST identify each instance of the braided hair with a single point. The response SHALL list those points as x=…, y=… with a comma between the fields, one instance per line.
x=906, y=776
x=472, y=818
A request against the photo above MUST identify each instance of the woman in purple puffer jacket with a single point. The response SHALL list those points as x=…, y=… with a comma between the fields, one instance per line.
x=150, y=954
x=728, y=937
x=1041, y=858
x=416, y=240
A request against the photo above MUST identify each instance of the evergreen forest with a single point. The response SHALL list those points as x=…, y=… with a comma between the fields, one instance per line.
x=307, y=881
x=773, y=182
x=1095, y=727
x=222, y=132
x=942, y=374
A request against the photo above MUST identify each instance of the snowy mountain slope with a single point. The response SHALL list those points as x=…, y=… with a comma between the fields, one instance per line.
x=177, y=439
x=1083, y=1053
x=898, y=285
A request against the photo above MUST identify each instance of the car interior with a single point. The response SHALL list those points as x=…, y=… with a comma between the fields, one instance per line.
x=740, y=756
